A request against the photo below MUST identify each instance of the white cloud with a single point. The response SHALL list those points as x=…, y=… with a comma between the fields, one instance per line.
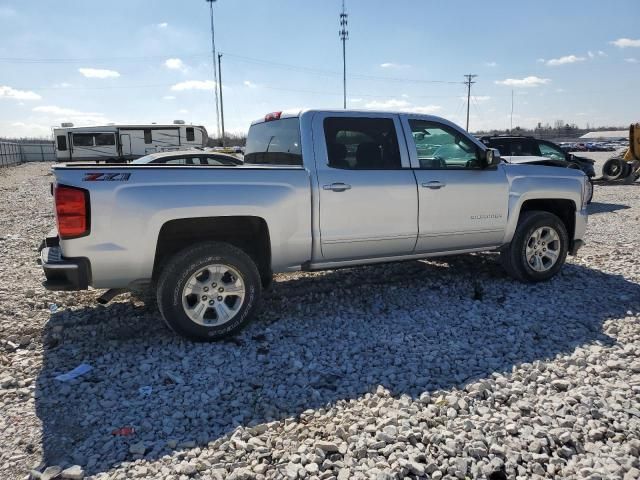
x=62, y=85
x=540, y=60
x=8, y=92
x=98, y=73
x=490, y=64
x=61, y=114
x=162, y=25
x=394, y=65
x=250, y=84
x=631, y=60
x=194, y=85
x=22, y=129
x=477, y=98
x=175, y=64
x=591, y=54
x=183, y=110
x=554, y=62
x=401, y=105
x=601, y=53
x=169, y=97
x=355, y=100
x=626, y=42
x=526, y=82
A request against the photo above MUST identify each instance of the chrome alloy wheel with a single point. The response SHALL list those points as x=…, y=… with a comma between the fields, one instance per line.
x=213, y=295
x=543, y=249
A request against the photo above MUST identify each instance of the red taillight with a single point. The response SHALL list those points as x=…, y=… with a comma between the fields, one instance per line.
x=272, y=116
x=72, y=211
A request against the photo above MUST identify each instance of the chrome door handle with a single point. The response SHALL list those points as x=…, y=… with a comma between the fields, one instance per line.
x=337, y=187
x=434, y=185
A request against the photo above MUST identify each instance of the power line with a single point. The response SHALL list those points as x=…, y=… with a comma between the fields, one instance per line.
x=469, y=77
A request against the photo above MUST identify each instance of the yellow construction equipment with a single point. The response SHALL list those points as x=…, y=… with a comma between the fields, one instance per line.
x=627, y=167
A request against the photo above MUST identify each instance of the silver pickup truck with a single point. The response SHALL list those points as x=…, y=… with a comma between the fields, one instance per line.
x=317, y=190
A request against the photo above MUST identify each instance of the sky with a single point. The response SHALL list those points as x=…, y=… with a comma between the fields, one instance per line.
x=142, y=61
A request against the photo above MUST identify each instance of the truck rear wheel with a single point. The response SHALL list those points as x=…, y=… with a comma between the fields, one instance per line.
x=538, y=248
x=209, y=291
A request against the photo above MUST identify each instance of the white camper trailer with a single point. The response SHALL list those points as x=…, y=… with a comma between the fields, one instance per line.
x=118, y=143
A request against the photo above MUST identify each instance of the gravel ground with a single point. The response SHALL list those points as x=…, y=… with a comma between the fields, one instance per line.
x=429, y=369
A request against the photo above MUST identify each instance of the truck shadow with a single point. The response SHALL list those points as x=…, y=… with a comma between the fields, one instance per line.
x=598, y=207
x=411, y=327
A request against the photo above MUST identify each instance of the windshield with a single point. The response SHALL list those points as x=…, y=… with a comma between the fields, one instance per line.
x=145, y=159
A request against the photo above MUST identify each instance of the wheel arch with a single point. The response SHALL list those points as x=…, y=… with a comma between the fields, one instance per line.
x=564, y=209
x=248, y=233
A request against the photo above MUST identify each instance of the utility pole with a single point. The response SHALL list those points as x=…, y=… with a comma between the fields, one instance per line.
x=221, y=104
x=344, y=35
x=215, y=71
x=468, y=82
x=510, y=129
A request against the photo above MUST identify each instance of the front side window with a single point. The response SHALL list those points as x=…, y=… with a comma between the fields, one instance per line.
x=83, y=139
x=551, y=151
x=62, y=142
x=191, y=136
x=147, y=135
x=356, y=143
x=275, y=142
x=105, y=139
x=439, y=146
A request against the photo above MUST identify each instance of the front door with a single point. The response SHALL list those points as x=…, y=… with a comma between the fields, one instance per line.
x=368, y=201
x=125, y=144
x=462, y=205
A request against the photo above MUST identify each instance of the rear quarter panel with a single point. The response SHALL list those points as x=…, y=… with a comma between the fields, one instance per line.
x=126, y=216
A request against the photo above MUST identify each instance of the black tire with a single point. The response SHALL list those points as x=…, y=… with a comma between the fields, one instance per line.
x=182, y=266
x=514, y=259
x=613, y=169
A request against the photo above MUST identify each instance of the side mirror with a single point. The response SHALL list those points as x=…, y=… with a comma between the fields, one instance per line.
x=490, y=157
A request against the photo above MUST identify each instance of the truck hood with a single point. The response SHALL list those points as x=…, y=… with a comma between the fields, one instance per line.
x=533, y=160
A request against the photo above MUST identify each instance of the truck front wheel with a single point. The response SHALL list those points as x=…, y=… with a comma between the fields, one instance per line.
x=208, y=291
x=538, y=248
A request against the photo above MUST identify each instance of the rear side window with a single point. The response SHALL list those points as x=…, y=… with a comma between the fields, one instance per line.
x=105, y=139
x=62, y=142
x=83, y=139
x=191, y=136
x=362, y=143
x=147, y=135
x=275, y=142
x=524, y=148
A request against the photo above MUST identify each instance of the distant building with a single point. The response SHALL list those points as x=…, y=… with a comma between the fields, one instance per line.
x=607, y=135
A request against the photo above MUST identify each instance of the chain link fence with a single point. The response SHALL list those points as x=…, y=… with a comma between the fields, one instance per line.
x=15, y=153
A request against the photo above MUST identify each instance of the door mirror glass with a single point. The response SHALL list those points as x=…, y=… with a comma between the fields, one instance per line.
x=491, y=157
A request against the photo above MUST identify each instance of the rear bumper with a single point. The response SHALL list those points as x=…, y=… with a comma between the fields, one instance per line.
x=63, y=273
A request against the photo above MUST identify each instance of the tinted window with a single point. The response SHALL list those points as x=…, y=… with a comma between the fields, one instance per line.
x=524, y=148
x=274, y=143
x=83, y=139
x=362, y=143
x=147, y=135
x=191, y=136
x=62, y=142
x=502, y=146
x=105, y=139
x=551, y=151
x=173, y=161
x=439, y=146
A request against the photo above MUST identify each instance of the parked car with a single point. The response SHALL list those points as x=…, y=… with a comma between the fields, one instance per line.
x=318, y=190
x=188, y=157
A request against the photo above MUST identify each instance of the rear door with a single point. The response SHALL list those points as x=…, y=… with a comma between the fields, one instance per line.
x=368, y=201
x=461, y=204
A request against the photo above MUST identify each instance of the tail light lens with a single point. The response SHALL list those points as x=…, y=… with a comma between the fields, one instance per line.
x=72, y=211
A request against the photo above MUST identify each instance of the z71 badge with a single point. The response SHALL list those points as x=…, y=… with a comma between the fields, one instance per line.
x=106, y=177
